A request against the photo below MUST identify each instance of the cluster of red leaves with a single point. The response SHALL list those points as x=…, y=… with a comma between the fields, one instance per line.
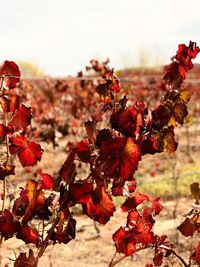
x=138, y=230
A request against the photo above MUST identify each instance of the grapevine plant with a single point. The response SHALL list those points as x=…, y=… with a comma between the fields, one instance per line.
x=42, y=213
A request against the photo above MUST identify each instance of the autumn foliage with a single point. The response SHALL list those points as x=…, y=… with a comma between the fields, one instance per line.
x=112, y=154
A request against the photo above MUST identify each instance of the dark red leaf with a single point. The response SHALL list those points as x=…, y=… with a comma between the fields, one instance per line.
x=149, y=144
x=5, y=130
x=102, y=136
x=8, y=225
x=195, y=191
x=28, y=234
x=119, y=157
x=128, y=121
x=2, y=130
x=187, y=227
x=68, y=171
x=100, y=206
x=147, y=217
x=80, y=191
x=83, y=151
x=67, y=234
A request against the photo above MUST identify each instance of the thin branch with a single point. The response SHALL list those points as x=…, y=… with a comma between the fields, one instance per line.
x=114, y=262
x=175, y=253
x=46, y=241
x=4, y=194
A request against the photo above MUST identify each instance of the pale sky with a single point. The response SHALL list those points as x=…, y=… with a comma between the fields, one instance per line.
x=62, y=36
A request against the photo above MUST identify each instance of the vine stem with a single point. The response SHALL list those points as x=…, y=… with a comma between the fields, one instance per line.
x=114, y=262
x=175, y=253
x=4, y=194
x=45, y=243
x=6, y=162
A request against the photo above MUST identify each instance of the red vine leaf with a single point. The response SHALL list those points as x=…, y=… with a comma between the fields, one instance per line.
x=124, y=241
x=8, y=225
x=30, y=202
x=80, y=191
x=119, y=157
x=11, y=103
x=97, y=203
x=158, y=259
x=5, y=130
x=128, y=121
x=83, y=151
x=156, y=206
x=133, y=202
x=90, y=129
x=196, y=254
x=68, y=171
x=64, y=235
x=102, y=136
x=149, y=144
x=10, y=69
x=123, y=188
x=28, y=234
x=21, y=118
x=28, y=152
x=187, y=227
x=47, y=181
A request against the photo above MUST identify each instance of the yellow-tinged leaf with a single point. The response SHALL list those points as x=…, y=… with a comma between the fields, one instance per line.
x=184, y=95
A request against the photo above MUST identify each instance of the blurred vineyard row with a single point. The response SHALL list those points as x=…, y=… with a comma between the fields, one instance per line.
x=59, y=105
